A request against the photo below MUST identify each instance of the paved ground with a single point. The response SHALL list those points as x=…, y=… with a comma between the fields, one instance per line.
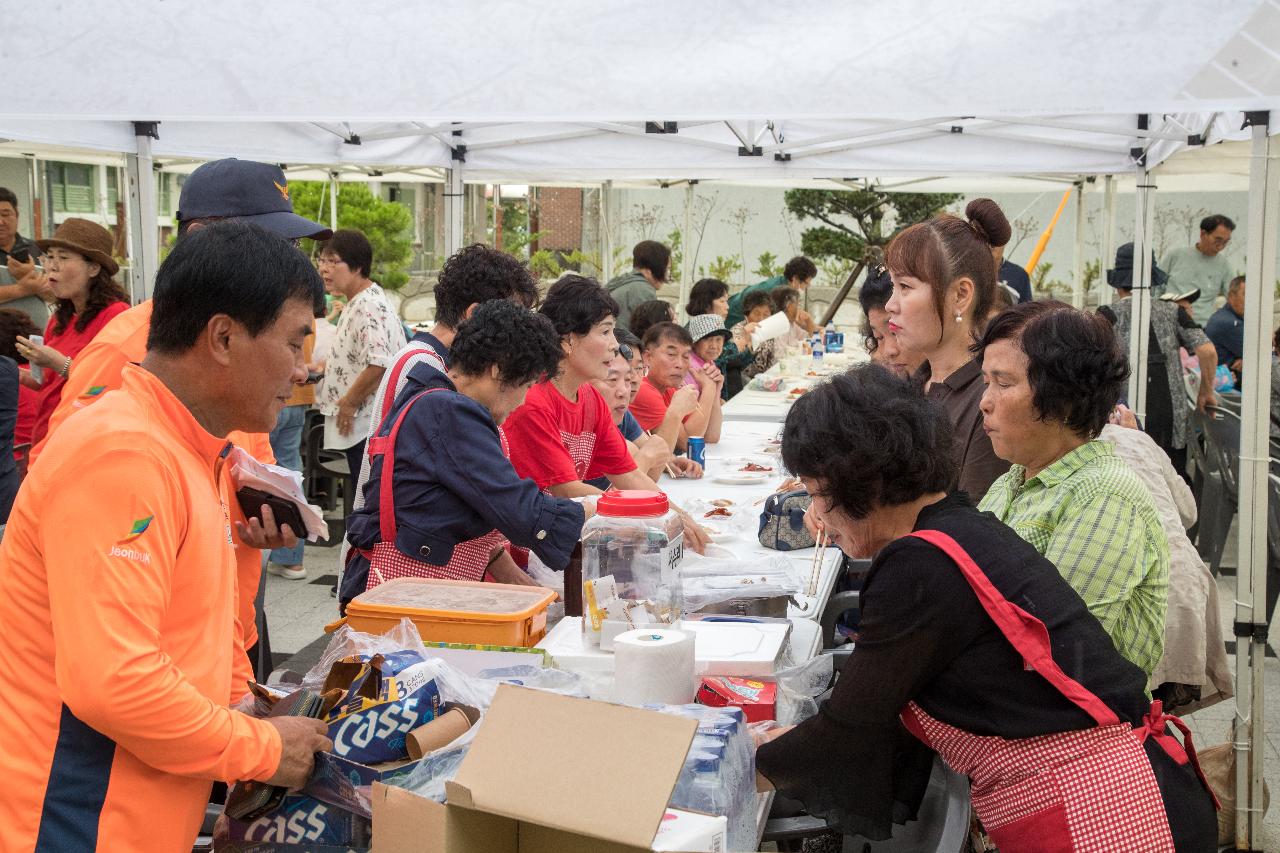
x=297, y=612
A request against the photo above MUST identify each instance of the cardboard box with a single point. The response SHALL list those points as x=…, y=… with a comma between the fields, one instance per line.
x=689, y=831
x=757, y=699
x=347, y=784
x=546, y=773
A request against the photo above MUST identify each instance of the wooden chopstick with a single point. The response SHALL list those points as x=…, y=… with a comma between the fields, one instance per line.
x=671, y=471
x=819, y=558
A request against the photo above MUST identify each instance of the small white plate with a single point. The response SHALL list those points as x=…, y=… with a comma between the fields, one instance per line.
x=742, y=478
x=717, y=532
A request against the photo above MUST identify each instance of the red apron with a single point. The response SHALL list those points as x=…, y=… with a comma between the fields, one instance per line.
x=1087, y=790
x=470, y=559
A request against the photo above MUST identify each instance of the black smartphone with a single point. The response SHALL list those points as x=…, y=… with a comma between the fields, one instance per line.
x=283, y=510
x=313, y=378
x=21, y=255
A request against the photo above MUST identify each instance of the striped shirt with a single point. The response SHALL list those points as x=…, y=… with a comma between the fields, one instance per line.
x=1090, y=516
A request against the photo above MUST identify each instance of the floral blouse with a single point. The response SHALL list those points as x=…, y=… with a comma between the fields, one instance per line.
x=369, y=333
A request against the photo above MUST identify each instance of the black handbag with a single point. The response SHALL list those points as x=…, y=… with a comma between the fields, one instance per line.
x=782, y=521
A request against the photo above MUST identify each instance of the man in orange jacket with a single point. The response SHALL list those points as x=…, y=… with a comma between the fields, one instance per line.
x=222, y=189
x=120, y=578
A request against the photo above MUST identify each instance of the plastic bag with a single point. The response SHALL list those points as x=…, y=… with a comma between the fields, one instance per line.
x=799, y=688
x=712, y=578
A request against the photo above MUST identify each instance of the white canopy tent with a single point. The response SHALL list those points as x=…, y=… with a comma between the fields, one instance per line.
x=749, y=91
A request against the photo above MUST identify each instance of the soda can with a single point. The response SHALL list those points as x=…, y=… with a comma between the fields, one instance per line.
x=697, y=450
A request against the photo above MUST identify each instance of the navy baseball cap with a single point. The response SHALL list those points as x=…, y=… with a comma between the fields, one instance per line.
x=248, y=191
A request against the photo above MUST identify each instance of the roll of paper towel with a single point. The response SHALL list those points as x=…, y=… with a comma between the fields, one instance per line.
x=773, y=326
x=653, y=665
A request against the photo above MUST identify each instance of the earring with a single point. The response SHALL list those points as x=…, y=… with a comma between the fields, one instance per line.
x=959, y=317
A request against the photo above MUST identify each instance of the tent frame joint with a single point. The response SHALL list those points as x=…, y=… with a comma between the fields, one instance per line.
x=661, y=127
x=1256, y=117
x=753, y=151
x=1256, y=631
x=458, y=153
x=147, y=128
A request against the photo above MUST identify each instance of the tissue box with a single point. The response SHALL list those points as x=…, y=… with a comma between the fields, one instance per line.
x=757, y=699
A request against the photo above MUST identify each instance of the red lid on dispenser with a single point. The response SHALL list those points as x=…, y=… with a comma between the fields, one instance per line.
x=632, y=503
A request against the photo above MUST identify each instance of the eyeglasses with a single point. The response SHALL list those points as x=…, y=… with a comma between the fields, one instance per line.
x=625, y=351
x=329, y=261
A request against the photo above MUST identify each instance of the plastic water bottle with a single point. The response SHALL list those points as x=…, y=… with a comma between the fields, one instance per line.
x=819, y=346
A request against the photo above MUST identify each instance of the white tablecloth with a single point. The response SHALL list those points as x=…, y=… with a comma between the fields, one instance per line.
x=772, y=406
x=746, y=441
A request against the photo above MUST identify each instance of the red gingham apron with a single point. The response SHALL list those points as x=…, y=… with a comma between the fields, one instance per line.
x=1087, y=790
x=470, y=559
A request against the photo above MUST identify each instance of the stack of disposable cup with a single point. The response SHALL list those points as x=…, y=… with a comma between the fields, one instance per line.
x=653, y=665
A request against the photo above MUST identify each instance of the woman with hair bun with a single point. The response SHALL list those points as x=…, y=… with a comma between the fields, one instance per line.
x=944, y=284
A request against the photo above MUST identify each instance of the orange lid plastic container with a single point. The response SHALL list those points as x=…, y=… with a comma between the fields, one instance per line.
x=447, y=611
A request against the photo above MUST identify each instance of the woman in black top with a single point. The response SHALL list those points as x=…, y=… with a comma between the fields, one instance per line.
x=936, y=661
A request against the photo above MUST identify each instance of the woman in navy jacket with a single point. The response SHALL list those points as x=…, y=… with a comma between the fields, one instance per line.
x=453, y=501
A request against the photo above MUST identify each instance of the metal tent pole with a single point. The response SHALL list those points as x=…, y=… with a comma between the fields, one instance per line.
x=1140, y=310
x=144, y=247
x=606, y=231
x=1251, y=617
x=686, y=273
x=333, y=201
x=1105, y=291
x=453, y=210
x=1077, y=288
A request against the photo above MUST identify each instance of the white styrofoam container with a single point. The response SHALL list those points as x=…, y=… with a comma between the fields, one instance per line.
x=743, y=649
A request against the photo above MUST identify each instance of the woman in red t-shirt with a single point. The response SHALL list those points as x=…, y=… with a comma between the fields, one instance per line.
x=564, y=435
x=79, y=268
x=13, y=325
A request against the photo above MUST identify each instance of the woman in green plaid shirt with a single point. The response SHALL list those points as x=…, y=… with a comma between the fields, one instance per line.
x=1053, y=377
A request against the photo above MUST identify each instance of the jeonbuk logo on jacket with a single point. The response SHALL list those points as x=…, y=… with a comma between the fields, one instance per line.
x=139, y=527
x=93, y=391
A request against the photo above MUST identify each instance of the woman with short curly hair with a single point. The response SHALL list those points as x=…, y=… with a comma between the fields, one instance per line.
x=1054, y=375
x=79, y=267
x=454, y=499
x=971, y=647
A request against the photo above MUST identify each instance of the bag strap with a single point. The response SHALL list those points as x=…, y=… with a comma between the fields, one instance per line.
x=1025, y=633
x=398, y=369
x=385, y=445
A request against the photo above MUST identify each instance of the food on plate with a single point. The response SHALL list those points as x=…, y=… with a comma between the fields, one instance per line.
x=722, y=502
x=718, y=512
x=796, y=392
x=751, y=466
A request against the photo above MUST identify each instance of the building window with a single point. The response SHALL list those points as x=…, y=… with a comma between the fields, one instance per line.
x=72, y=187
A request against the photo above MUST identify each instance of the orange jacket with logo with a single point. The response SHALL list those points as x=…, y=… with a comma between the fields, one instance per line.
x=98, y=369
x=119, y=582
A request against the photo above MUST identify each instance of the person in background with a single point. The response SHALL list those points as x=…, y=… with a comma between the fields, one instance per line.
x=1200, y=267
x=1012, y=276
x=971, y=647
x=649, y=314
x=798, y=274
x=711, y=296
x=651, y=454
x=1226, y=329
x=13, y=325
x=1170, y=328
x=286, y=446
x=123, y=584
x=668, y=350
x=457, y=499
x=1053, y=377
x=881, y=343
x=1193, y=671
x=710, y=338
x=943, y=285
x=369, y=335
x=563, y=435
x=683, y=402
x=649, y=262
x=21, y=284
x=10, y=478
x=769, y=353
x=470, y=277
x=79, y=270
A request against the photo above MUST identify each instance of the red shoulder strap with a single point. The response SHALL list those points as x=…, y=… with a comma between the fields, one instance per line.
x=385, y=445
x=1024, y=632
x=397, y=370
